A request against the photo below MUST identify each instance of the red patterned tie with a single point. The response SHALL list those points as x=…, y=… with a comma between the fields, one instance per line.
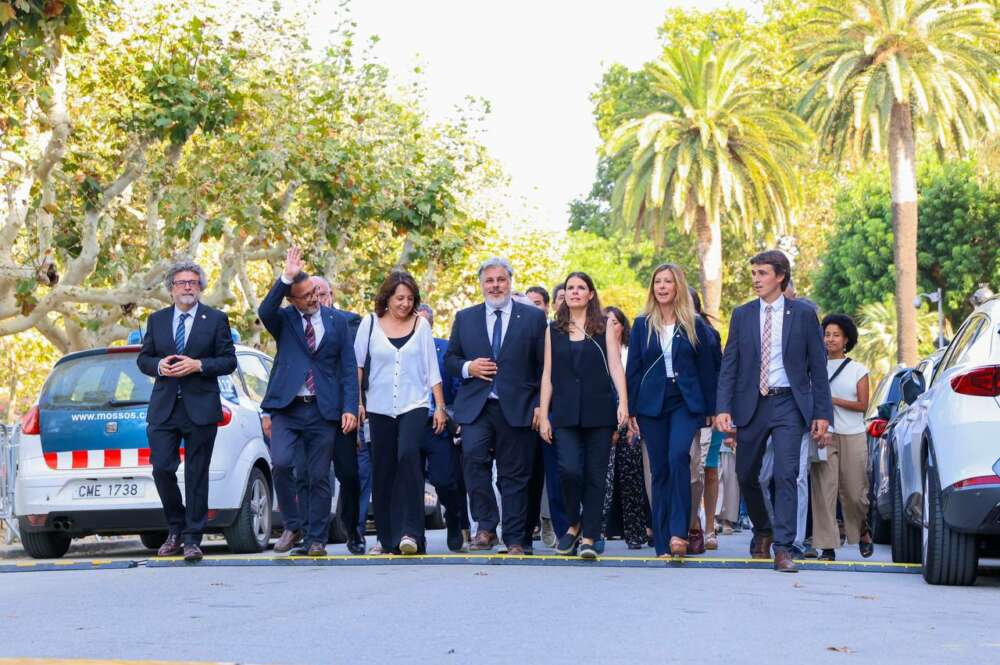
x=765, y=351
x=311, y=341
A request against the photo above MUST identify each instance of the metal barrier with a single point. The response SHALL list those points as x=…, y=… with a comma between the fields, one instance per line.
x=9, y=435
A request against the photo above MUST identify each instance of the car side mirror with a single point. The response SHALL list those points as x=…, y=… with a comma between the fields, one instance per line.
x=913, y=386
x=884, y=411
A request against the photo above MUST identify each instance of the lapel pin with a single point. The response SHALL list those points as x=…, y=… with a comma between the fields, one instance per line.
x=203, y=316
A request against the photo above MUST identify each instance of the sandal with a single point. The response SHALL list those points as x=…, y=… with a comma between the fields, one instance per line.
x=711, y=541
x=866, y=547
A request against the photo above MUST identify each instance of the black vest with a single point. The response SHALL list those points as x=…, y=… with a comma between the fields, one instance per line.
x=585, y=398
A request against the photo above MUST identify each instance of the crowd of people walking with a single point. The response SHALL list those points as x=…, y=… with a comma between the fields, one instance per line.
x=585, y=425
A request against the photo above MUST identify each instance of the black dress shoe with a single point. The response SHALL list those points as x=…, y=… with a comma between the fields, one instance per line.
x=456, y=540
x=316, y=549
x=357, y=546
x=192, y=553
x=299, y=551
x=827, y=555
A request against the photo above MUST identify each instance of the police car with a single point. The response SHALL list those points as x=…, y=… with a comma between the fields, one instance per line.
x=83, y=463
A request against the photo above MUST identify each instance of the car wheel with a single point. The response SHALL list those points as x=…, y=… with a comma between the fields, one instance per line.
x=436, y=519
x=152, y=540
x=251, y=530
x=948, y=557
x=44, y=544
x=905, y=536
x=881, y=534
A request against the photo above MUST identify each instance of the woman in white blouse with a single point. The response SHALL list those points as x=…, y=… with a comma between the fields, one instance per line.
x=398, y=370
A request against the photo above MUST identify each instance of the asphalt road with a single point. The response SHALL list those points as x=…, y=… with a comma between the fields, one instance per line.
x=494, y=614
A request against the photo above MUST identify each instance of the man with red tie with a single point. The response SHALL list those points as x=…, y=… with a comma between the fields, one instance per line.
x=312, y=397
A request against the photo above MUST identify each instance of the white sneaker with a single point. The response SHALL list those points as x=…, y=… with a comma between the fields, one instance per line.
x=408, y=545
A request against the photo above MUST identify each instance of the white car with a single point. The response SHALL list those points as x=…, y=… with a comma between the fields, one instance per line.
x=948, y=452
x=83, y=459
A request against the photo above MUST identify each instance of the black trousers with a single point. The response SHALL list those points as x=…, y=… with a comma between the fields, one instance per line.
x=398, y=476
x=583, y=472
x=777, y=417
x=300, y=430
x=187, y=517
x=487, y=438
x=536, y=486
x=443, y=468
x=345, y=469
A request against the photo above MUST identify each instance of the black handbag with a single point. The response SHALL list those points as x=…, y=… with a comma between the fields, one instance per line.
x=367, y=368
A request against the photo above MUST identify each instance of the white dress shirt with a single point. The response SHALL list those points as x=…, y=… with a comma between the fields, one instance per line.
x=188, y=323
x=505, y=313
x=667, y=344
x=777, y=378
x=401, y=379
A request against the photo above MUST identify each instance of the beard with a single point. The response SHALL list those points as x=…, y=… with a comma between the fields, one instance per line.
x=498, y=303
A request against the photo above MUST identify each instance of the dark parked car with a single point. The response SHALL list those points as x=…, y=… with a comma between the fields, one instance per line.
x=882, y=406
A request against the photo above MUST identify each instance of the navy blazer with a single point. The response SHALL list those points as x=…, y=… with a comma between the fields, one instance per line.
x=449, y=383
x=694, y=369
x=519, y=367
x=803, y=354
x=211, y=342
x=334, y=368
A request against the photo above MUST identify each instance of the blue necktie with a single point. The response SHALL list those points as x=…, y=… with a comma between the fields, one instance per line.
x=497, y=333
x=179, y=334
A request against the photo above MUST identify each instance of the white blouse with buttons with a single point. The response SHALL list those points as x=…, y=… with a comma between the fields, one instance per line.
x=667, y=344
x=400, y=380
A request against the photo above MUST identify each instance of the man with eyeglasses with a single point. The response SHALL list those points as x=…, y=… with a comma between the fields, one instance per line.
x=187, y=347
x=312, y=396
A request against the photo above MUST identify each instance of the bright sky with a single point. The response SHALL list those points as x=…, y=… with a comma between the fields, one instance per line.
x=537, y=61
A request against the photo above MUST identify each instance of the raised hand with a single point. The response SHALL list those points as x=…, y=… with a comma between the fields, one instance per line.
x=293, y=262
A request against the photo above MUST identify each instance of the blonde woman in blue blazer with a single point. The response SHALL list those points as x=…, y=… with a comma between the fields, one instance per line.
x=671, y=392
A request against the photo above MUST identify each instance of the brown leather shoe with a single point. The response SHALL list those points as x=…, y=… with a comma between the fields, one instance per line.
x=316, y=549
x=783, y=562
x=678, y=547
x=171, y=546
x=515, y=550
x=484, y=540
x=760, y=547
x=696, y=541
x=288, y=540
x=192, y=553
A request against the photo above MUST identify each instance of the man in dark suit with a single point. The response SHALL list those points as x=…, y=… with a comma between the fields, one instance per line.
x=442, y=458
x=498, y=349
x=312, y=397
x=187, y=347
x=773, y=383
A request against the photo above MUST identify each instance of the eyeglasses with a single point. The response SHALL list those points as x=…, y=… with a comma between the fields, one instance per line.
x=187, y=282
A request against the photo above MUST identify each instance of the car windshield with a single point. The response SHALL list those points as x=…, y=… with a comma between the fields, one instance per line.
x=95, y=382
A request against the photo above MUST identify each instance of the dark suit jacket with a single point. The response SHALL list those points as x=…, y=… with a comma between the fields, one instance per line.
x=449, y=383
x=211, y=342
x=803, y=354
x=519, y=367
x=694, y=368
x=333, y=365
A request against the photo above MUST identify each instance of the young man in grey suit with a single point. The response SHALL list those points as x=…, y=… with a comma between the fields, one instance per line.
x=773, y=384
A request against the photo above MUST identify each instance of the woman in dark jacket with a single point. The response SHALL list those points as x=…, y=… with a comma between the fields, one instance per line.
x=671, y=391
x=580, y=407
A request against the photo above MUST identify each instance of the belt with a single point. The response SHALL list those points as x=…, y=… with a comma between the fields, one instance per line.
x=304, y=399
x=774, y=392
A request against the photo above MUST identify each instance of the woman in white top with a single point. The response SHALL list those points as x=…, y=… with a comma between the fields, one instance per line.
x=843, y=473
x=398, y=369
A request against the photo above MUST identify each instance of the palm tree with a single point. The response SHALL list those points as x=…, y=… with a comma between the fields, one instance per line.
x=716, y=151
x=883, y=66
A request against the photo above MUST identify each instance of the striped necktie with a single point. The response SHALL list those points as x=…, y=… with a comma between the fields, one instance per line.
x=179, y=333
x=765, y=351
x=311, y=341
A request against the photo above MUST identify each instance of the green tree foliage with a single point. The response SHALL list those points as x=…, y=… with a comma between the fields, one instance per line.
x=882, y=70
x=958, y=246
x=722, y=156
